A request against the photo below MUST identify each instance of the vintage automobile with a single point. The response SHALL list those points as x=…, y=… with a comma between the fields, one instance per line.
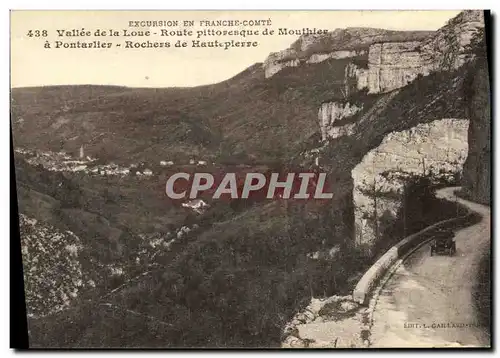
x=444, y=243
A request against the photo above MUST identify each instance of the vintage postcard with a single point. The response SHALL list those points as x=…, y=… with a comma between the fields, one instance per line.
x=252, y=179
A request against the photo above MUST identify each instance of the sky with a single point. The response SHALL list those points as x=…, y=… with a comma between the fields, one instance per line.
x=34, y=65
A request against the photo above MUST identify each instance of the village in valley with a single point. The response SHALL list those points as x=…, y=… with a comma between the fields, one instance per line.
x=87, y=165
x=64, y=162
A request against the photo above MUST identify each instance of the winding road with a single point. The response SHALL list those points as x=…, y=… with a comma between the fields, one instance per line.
x=428, y=301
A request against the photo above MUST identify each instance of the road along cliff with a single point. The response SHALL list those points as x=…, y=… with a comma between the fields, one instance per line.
x=421, y=301
x=428, y=301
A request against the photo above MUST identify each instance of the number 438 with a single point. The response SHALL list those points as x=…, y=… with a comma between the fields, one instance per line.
x=37, y=33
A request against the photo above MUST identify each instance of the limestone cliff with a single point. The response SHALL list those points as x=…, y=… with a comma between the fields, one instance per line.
x=448, y=47
x=355, y=78
x=394, y=58
x=437, y=150
x=394, y=65
x=396, y=138
x=340, y=43
x=277, y=61
x=477, y=168
x=330, y=112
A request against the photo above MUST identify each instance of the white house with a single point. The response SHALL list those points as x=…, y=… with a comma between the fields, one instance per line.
x=80, y=168
x=148, y=172
x=196, y=205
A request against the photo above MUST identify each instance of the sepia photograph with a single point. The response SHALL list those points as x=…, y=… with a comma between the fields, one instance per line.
x=251, y=179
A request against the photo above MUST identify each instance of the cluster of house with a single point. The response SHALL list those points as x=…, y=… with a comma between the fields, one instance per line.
x=164, y=163
x=62, y=161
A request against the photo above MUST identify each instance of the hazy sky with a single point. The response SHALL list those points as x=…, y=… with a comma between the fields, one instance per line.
x=33, y=65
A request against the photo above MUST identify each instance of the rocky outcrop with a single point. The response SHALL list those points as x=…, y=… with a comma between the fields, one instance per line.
x=331, y=112
x=320, y=57
x=394, y=60
x=355, y=79
x=279, y=60
x=394, y=65
x=338, y=44
x=477, y=168
x=437, y=150
x=321, y=314
x=448, y=47
x=53, y=275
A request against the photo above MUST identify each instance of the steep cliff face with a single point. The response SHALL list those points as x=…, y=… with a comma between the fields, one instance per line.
x=394, y=65
x=396, y=140
x=331, y=112
x=277, y=61
x=477, y=168
x=338, y=44
x=448, y=47
x=394, y=58
x=355, y=78
x=336, y=55
x=437, y=150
